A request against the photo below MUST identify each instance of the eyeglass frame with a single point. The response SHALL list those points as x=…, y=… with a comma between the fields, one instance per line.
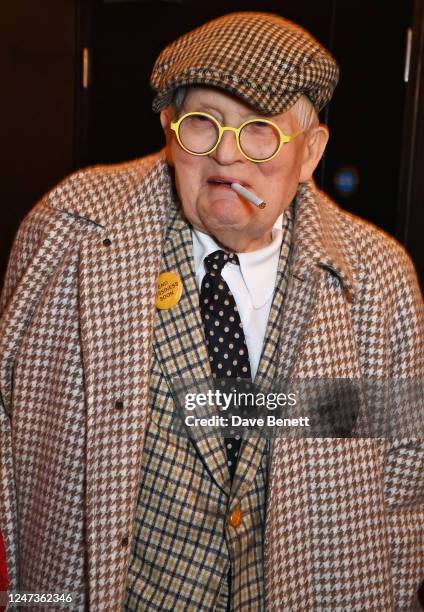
x=284, y=138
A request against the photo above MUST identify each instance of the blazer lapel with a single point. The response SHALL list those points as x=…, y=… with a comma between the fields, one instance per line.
x=180, y=346
x=253, y=446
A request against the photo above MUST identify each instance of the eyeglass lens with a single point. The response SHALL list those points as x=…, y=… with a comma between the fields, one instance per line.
x=258, y=140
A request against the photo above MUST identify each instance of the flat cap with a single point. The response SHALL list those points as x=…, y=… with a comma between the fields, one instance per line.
x=265, y=60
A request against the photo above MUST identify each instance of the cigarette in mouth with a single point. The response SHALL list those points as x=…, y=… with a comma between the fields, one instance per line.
x=248, y=195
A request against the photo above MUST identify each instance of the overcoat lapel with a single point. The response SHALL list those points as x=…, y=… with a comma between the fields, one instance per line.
x=321, y=290
x=316, y=328
x=119, y=266
x=179, y=342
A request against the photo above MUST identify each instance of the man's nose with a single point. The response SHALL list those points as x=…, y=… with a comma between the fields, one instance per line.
x=227, y=151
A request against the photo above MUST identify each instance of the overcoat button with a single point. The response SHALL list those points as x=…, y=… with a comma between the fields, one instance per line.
x=107, y=241
x=119, y=405
x=236, y=518
x=124, y=541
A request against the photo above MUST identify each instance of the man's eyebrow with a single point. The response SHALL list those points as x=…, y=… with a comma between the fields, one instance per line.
x=207, y=107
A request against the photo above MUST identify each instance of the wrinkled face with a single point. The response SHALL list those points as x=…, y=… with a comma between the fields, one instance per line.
x=212, y=206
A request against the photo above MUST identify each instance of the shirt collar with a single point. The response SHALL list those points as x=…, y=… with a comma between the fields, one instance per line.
x=258, y=268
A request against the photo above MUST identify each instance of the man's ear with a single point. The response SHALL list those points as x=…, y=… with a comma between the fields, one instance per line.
x=165, y=120
x=316, y=141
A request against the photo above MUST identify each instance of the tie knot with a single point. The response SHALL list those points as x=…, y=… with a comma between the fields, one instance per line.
x=214, y=262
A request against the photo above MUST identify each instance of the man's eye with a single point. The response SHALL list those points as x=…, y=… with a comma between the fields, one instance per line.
x=200, y=121
x=258, y=125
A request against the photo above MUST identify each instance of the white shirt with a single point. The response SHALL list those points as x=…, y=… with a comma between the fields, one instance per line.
x=252, y=284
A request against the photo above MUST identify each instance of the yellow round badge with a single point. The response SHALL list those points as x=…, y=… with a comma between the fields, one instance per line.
x=170, y=289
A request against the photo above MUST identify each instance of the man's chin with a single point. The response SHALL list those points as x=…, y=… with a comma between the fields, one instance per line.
x=229, y=212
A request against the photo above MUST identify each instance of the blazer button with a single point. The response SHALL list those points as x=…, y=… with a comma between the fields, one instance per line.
x=124, y=541
x=236, y=518
x=107, y=242
x=119, y=405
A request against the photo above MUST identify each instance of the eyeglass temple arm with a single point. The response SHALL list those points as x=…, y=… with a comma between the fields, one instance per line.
x=292, y=136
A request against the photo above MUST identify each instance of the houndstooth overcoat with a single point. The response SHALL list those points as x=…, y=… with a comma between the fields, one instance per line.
x=345, y=517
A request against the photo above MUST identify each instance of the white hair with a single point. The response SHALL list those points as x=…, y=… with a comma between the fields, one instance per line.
x=305, y=113
x=303, y=109
x=179, y=97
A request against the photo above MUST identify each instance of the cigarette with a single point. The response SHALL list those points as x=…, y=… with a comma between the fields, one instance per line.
x=248, y=195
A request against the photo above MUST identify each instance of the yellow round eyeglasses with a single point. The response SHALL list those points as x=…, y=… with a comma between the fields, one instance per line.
x=259, y=140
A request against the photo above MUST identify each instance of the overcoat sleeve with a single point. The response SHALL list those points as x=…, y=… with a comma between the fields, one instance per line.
x=43, y=237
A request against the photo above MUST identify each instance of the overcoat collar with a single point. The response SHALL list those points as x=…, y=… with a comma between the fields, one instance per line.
x=320, y=238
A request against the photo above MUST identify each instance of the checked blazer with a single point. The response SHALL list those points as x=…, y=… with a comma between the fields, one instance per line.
x=344, y=525
x=183, y=542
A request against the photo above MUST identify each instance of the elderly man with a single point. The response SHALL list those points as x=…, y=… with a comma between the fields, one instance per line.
x=126, y=278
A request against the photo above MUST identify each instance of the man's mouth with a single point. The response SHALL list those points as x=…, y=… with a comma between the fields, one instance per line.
x=225, y=181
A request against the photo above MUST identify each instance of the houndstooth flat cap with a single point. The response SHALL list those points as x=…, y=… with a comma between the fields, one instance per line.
x=263, y=59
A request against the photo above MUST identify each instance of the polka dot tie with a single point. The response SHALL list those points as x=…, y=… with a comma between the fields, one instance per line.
x=228, y=354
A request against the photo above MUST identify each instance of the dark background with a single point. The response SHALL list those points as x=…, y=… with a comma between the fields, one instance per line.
x=54, y=124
